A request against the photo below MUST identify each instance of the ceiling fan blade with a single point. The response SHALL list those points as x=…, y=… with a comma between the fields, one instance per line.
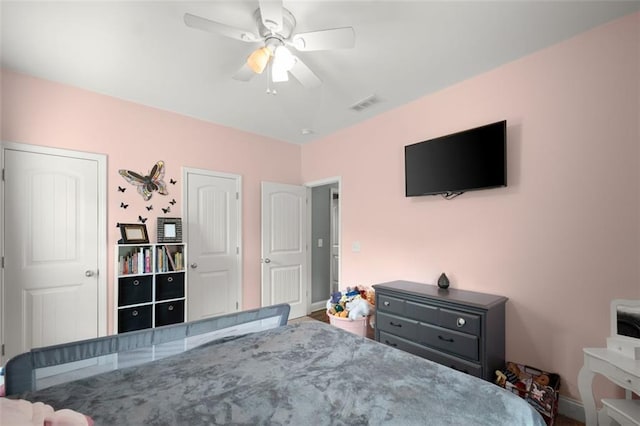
x=245, y=73
x=304, y=75
x=205, y=24
x=271, y=13
x=336, y=38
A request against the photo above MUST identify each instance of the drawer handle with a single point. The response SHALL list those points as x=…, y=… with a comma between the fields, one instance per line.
x=136, y=282
x=461, y=322
x=134, y=313
x=170, y=279
x=445, y=339
x=395, y=345
x=170, y=307
x=391, y=323
x=386, y=303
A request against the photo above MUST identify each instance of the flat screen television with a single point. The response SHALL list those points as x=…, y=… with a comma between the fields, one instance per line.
x=465, y=161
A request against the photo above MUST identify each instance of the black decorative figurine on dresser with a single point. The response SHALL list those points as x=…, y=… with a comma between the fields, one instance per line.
x=461, y=329
x=443, y=281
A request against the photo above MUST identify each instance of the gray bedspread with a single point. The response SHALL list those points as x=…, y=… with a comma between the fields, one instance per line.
x=303, y=374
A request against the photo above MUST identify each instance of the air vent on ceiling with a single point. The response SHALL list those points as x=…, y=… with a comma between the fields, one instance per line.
x=365, y=103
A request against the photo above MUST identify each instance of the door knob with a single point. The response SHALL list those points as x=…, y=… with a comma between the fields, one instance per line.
x=267, y=260
x=194, y=265
x=89, y=273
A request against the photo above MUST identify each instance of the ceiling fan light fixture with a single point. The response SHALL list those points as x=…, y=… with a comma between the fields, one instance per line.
x=283, y=58
x=279, y=75
x=259, y=59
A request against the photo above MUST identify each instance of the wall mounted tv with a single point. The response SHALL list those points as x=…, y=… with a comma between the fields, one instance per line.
x=450, y=165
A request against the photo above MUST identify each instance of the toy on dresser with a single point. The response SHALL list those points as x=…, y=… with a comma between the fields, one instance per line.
x=539, y=388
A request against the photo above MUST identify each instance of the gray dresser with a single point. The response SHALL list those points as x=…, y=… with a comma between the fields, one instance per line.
x=457, y=328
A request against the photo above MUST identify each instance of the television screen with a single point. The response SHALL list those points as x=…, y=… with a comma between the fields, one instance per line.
x=464, y=161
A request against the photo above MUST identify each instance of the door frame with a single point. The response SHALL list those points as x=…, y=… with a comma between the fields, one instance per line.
x=312, y=184
x=101, y=161
x=185, y=203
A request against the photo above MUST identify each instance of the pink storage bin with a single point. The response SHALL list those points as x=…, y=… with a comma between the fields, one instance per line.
x=357, y=326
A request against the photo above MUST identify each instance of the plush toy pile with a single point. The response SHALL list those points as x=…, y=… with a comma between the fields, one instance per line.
x=351, y=303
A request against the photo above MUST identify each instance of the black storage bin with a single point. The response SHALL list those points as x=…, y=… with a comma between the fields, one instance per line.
x=169, y=286
x=135, y=289
x=169, y=313
x=137, y=318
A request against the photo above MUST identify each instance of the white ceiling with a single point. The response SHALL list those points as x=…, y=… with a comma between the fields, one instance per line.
x=143, y=52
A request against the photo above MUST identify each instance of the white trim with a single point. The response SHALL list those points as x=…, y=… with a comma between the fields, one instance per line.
x=318, y=306
x=101, y=161
x=185, y=199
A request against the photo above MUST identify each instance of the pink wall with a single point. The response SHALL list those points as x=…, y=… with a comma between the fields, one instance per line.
x=135, y=137
x=560, y=241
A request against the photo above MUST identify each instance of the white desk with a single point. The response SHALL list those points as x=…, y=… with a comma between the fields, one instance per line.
x=621, y=370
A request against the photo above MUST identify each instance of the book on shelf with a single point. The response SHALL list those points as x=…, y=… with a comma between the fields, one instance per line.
x=172, y=263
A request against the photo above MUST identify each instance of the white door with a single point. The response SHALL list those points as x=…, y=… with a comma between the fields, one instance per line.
x=284, y=247
x=213, y=234
x=54, y=238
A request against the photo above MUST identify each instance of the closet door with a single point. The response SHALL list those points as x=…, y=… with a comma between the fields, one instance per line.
x=213, y=233
x=52, y=249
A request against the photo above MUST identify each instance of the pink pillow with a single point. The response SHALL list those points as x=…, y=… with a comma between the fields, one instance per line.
x=21, y=412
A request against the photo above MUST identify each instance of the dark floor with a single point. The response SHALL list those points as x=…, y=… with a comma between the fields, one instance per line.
x=560, y=420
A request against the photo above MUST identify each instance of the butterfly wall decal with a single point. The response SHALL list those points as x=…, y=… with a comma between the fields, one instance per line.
x=121, y=189
x=123, y=205
x=172, y=202
x=167, y=210
x=149, y=208
x=173, y=182
x=142, y=219
x=146, y=185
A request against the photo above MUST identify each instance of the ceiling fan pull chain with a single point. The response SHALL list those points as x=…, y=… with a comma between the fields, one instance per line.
x=270, y=91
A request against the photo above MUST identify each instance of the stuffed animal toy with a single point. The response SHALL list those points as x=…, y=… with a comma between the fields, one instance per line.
x=357, y=308
x=512, y=372
x=542, y=380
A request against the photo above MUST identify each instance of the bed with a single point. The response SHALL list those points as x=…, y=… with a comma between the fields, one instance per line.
x=254, y=368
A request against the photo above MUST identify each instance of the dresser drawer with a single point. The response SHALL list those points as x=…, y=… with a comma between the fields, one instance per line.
x=460, y=321
x=169, y=286
x=454, y=342
x=396, y=325
x=621, y=378
x=435, y=356
x=135, y=289
x=138, y=318
x=422, y=312
x=453, y=362
x=390, y=304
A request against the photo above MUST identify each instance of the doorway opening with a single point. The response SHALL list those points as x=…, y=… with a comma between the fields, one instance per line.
x=325, y=241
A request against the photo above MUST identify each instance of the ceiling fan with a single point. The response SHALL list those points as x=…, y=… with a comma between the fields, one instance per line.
x=276, y=26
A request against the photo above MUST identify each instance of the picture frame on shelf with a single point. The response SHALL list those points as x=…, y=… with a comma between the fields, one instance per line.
x=169, y=230
x=133, y=233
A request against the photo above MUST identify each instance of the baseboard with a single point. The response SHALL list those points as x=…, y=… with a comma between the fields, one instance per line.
x=571, y=408
x=318, y=306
